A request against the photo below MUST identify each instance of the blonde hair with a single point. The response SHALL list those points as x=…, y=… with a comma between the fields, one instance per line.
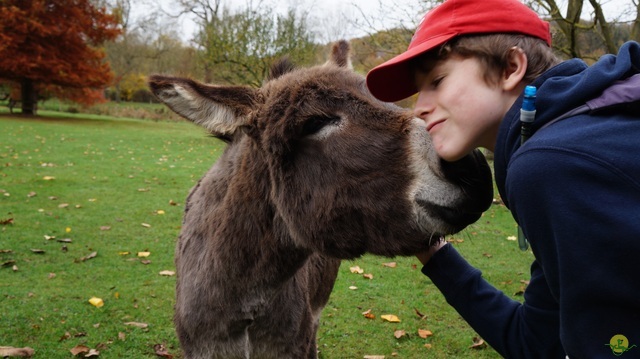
x=492, y=50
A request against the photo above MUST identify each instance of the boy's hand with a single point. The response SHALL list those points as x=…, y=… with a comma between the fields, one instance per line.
x=425, y=256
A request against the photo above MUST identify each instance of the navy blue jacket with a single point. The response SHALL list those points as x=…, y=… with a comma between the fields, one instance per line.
x=574, y=188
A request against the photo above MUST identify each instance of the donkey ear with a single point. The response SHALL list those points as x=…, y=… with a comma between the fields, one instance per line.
x=220, y=109
x=340, y=54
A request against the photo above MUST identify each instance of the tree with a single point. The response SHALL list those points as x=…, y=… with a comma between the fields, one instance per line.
x=238, y=45
x=54, y=44
x=585, y=23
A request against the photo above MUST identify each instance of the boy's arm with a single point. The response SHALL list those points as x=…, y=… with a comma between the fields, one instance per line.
x=514, y=330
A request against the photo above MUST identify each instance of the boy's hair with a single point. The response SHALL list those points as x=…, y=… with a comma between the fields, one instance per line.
x=492, y=50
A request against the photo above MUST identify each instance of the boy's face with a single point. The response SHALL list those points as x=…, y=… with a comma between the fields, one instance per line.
x=461, y=109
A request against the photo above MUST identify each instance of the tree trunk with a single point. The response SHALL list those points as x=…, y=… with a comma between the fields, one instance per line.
x=29, y=98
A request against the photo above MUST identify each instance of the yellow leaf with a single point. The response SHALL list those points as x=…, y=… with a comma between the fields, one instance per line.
x=48, y=178
x=356, y=269
x=167, y=273
x=124, y=253
x=96, y=302
x=512, y=238
x=68, y=229
x=146, y=225
x=160, y=211
x=424, y=334
x=353, y=287
x=144, y=254
x=374, y=357
x=390, y=264
x=390, y=318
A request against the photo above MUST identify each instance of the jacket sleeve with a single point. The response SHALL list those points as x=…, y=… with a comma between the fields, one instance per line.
x=513, y=329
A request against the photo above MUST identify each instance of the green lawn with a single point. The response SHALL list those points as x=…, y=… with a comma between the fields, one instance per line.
x=72, y=185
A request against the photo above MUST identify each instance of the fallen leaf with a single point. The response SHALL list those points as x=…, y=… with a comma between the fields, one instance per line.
x=124, y=253
x=167, y=273
x=63, y=205
x=143, y=190
x=399, y=334
x=96, y=302
x=52, y=275
x=65, y=336
x=6, y=251
x=173, y=203
x=428, y=346
x=31, y=194
x=356, y=269
x=64, y=240
x=512, y=238
x=367, y=314
x=89, y=256
x=4, y=222
x=161, y=351
x=146, y=225
x=37, y=251
x=92, y=353
x=25, y=352
x=14, y=268
x=105, y=228
x=424, y=334
x=353, y=287
x=373, y=357
x=145, y=261
x=160, y=211
x=49, y=237
x=137, y=324
x=390, y=264
x=368, y=275
x=122, y=336
x=487, y=255
x=79, y=349
x=390, y=318
x=48, y=178
x=144, y=254
x=9, y=263
x=68, y=229
x=478, y=343
x=422, y=316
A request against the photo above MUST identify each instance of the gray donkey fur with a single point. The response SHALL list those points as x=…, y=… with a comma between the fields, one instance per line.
x=316, y=170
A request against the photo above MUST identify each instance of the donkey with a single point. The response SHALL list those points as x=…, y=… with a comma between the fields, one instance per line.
x=315, y=170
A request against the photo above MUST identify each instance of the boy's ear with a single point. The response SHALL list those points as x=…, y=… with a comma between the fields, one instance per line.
x=516, y=68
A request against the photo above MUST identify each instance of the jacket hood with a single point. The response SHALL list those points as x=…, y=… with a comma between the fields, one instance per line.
x=559, y=90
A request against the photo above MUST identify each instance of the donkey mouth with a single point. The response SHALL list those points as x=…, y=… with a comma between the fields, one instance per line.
x=455, y=219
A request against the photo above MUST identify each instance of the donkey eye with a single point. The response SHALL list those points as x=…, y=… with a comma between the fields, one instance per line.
x=315, y=123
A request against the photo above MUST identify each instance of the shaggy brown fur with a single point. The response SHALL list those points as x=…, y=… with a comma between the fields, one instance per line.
x=316, y=170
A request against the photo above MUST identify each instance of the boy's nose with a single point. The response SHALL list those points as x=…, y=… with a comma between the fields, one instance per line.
x=423, y=107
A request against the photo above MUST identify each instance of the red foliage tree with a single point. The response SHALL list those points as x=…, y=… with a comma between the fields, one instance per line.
x=55, y=44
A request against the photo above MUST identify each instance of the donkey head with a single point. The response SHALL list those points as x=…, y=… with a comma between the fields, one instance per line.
x=347, y=174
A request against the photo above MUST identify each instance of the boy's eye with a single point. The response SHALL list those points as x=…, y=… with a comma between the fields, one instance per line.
x=436, y=81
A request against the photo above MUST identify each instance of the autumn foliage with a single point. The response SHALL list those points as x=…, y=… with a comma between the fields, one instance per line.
x=54, y=45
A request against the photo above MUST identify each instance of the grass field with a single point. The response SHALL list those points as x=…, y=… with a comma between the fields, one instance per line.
x=75, y=185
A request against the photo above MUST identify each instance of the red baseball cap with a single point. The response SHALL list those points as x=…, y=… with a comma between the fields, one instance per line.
x=394, y=80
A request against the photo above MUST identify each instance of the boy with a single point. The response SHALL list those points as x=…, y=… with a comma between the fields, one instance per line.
x=573, y=187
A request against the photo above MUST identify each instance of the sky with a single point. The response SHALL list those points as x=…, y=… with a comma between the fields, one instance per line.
x=337, y=19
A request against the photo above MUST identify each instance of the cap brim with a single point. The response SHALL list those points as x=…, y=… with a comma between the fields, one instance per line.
x=394, y=79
